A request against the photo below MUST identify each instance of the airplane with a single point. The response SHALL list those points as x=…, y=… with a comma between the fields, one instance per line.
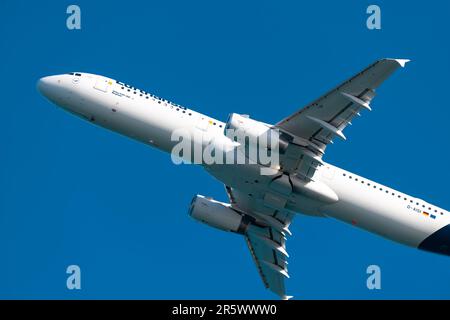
x=262, y=206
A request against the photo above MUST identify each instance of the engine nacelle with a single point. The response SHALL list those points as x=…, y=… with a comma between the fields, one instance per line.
x=218, y=215
x=256, y=130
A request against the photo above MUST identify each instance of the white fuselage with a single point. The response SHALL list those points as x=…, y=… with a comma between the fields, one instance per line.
x=152, y=120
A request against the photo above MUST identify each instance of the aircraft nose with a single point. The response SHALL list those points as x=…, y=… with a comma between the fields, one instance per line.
x=48, y=85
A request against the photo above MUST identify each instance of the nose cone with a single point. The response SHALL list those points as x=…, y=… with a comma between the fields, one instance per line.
x=48, y=86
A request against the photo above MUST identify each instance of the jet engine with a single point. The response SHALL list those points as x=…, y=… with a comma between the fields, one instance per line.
x=218, y=215
x=255, y=131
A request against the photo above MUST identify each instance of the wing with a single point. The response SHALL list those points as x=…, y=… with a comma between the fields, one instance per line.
x=266, y=239
x=308, y=132
x=314, y=127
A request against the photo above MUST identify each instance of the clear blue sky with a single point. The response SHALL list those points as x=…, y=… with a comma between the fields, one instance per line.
x=72, y=193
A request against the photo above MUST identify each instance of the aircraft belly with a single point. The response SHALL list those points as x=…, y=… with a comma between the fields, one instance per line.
x=248, y=179
x=383, y=214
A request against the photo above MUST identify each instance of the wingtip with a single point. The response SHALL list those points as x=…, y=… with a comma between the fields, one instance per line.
x=287, y=297
x=401, y=62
